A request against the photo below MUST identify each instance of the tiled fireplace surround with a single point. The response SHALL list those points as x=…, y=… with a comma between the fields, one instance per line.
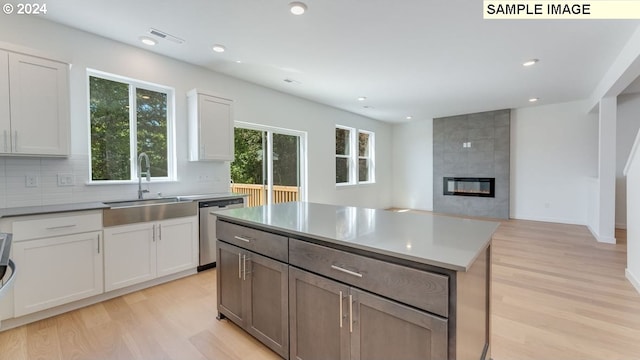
x=472, y=145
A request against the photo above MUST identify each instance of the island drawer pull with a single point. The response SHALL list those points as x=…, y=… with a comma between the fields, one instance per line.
x=61, y=227
x=346, y=271
x=242, y=238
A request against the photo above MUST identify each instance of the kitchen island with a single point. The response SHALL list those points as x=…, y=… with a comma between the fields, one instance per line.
x=322, y=281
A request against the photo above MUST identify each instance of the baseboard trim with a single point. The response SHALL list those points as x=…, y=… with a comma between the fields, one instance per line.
x=602, y=239
x=546, y=219
x=632, y=279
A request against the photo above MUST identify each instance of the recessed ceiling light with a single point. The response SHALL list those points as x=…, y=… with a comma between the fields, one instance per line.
x=238, y=61
x=530, y=62
x=533, y=99
x=148, y=41
x=297, y=8
x=409, y=117
x=218, y=48
x=362, y=98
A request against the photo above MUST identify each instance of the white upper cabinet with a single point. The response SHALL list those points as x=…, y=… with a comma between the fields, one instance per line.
x=34, y=106
x=210, y=127
x=5, y=121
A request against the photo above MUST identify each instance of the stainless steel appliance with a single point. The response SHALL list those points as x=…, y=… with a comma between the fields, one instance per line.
x=208, y=228
x=5, y=262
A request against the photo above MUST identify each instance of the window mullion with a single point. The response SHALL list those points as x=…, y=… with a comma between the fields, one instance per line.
x=133, y=131
x=353, y=157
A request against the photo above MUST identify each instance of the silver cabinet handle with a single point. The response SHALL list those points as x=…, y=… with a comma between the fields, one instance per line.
x=98, y=243
x=242, y=238
x=61, y=227
x=239, y=267
x=340, y=309
x=154, y=233
x=346, y=271
x=244, y=267
x=350, y=313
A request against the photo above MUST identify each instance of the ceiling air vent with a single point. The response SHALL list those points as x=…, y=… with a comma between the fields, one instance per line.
x=164, y=35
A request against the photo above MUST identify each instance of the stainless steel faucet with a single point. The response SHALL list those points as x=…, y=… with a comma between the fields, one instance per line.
x=140, y=172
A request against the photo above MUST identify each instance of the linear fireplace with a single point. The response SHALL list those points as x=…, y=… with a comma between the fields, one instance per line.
x=469, y=186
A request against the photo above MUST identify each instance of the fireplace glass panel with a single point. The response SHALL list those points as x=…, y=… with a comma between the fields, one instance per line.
x=466, y=186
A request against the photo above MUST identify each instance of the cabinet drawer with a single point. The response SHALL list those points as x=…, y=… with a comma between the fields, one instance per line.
x=56, y=225
x=414, y=287
x=261, y=242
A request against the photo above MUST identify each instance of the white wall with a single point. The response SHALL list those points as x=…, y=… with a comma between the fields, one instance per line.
x=413, y=165
x=554, y=153
x=627, y=128
x=633, y=227
x=252, y=104
x=554, y=156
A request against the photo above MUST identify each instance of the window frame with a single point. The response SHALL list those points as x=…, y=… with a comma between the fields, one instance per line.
x=354, y=156
x=351, y=172
x=370, y=159
x=133, y=85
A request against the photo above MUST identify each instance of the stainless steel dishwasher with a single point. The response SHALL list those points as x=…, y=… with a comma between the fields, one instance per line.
x=208, y=228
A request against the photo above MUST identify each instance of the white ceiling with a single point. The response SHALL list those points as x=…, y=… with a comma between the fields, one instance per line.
x=424, y=58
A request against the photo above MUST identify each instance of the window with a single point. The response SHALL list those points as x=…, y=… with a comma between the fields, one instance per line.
x=129, y=117
x=365, y=156
x=354, y=158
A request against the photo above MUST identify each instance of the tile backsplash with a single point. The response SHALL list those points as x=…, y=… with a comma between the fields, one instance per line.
x=16, y=191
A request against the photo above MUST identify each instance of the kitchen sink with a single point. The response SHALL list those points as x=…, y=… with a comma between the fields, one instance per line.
x=142, y=202
x=135, y=211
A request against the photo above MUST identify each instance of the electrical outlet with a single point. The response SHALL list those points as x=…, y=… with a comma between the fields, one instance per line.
x=65, y=179
x=31, y=180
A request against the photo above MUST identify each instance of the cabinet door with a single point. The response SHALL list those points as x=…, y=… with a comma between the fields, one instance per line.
x=39, y=93
x=129, y=255
x=384, y=329
x=216, y=128
x=266, y=289
x=318, y=317
x=229, y=273
x=56, y=271
x=5, y=122
x=177, y=245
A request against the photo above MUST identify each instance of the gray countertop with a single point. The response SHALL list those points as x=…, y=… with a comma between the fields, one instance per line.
x=97, y=205
x=448, y=242
x=46, y=209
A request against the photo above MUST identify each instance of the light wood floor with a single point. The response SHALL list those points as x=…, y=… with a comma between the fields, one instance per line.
x=557, y=294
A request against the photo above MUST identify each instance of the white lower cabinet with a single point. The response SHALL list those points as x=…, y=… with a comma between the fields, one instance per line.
x=141, y=252
x=57, y=270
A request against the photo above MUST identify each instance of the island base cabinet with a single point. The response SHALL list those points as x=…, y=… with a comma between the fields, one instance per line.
x=384, y=329
x=253, y=294
x=329, y=320
x=229, y=273
x=318, y=317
